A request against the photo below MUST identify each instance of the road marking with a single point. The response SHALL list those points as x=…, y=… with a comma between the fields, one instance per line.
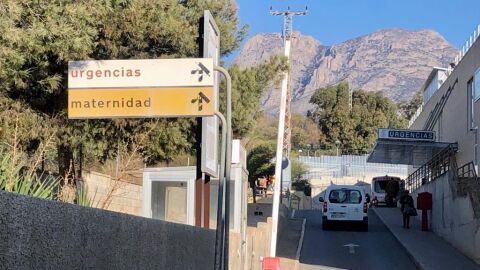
x=300, y=242
x=351, y=248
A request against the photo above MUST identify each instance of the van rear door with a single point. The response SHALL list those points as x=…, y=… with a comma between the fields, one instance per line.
x=345, y=204
x=355, y=206
x=337, y=206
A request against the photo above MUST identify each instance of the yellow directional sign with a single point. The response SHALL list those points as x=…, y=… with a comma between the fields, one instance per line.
x=141, y=88
x=143, y=102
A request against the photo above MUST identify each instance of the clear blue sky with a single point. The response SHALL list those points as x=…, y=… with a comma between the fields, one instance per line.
x=334, y=21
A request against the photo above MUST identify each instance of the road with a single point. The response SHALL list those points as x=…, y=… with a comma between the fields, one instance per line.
x=375, y=249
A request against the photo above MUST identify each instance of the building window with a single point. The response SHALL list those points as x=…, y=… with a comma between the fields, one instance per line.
x=476, y=86
x=430, y=90
x=470, y=103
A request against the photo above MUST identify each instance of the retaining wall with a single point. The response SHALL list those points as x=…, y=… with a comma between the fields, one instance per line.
x=117, y=196
x=41, y=234
x=452, y=216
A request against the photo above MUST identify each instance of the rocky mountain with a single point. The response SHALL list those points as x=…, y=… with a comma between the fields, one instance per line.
x=394, y=61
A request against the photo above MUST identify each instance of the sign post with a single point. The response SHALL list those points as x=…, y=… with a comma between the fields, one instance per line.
x=211, y=50
x=207, y=137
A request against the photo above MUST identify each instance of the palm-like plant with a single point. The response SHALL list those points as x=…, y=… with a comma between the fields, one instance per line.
x=14, y=179
x=82, y=198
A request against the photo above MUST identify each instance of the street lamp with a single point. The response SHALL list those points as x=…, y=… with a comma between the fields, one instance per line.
x=337, y=143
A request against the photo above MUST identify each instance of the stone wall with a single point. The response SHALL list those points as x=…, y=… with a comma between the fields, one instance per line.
x=41, y=234
x=453, y=216
x=117, y=196
x=259, y=235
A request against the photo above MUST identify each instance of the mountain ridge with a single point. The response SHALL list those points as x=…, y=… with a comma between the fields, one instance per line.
x=392, y=60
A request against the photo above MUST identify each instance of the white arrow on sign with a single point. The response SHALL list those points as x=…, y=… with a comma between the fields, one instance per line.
x=351, y=248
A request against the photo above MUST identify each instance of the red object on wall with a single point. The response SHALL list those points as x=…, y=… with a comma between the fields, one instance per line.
x=271, y=263
x=424, y=201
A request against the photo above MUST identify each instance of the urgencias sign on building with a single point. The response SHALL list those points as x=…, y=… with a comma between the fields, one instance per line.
x=406, y=134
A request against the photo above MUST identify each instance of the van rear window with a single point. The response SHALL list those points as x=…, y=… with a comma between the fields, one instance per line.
x=347, y=196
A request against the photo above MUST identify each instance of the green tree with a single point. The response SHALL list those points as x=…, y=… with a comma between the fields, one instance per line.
x=265, y=132
x=356, y=127
x=305, y=133
x=259, y=162
x=40, y=37
x=249, y=85
x=408, y=109
x=298, y=170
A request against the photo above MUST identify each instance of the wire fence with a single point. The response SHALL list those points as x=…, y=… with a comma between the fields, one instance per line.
x=348, y=166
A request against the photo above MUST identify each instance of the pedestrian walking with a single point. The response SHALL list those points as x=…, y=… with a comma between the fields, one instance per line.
x=408, y=209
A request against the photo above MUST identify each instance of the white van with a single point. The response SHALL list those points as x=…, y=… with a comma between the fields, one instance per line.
x=344, y=203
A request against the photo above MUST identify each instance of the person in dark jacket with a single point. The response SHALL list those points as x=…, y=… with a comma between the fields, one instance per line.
x=407, y=208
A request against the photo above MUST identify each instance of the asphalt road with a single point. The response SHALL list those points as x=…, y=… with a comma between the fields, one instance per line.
x=375, y=249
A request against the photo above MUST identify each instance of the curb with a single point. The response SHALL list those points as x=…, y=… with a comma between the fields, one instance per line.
x=410, y=254
x=300, y=245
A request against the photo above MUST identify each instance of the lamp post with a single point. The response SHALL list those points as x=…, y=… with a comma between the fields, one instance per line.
x=337, y=143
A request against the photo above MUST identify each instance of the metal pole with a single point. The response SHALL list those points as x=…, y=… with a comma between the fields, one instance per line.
x=279, y=156
x=221, y=181
x=287, y=34
x=228, y=164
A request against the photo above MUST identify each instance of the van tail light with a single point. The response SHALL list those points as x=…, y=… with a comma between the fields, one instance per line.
x=324, y=207
x=365, y=207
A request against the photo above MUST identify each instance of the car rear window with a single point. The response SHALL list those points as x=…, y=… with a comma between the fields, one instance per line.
x=345, y=196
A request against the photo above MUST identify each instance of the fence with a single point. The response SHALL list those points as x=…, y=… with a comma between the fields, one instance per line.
x=348, y=166
x=440, y=164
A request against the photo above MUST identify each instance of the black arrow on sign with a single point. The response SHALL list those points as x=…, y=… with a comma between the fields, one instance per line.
x=200, y=99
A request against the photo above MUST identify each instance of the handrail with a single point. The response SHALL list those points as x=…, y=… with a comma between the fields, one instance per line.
x=440, y=164
x=467, y=170
x=436, y=112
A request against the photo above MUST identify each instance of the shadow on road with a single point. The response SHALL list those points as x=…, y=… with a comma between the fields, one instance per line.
x=345, y=246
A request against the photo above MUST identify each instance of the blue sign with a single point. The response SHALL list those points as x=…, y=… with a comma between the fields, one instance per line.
x=406, y=134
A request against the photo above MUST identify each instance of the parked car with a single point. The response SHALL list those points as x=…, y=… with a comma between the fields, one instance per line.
x=344, y=204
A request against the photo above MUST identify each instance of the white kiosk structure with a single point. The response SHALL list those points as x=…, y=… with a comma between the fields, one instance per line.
x=169, y=193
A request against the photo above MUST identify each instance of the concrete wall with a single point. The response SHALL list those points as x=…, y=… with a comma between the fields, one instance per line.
x=125, y=197
x=259, y=233
x=453, y=217
x=40, y=234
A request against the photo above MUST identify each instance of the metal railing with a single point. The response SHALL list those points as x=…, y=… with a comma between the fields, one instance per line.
x=467, y=171
x=440, y=164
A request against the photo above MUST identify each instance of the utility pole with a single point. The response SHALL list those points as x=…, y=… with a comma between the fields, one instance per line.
x=287, y=35
x=350, y=97
x=284, y=130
